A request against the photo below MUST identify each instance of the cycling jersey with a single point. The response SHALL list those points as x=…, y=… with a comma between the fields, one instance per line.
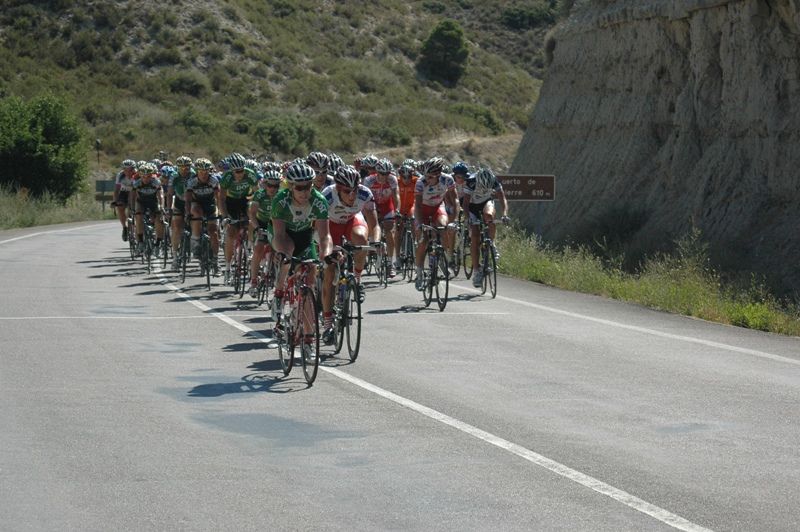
x=203, y=192
x=328, y=182
x=481, y=195
x=123, y=182
x=340, y=213
x=299, y=217
x=239, y=189
x=264, y=213
x=178, y=183
x=382, y=192
x=433, y=195
x=407, y=191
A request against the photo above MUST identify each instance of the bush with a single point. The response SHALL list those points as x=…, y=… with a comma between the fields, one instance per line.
x=289, y=134
x=524, y=18
x=156, y=55
x=191, y=83
x=484, y=116
x=41, y=147
x=444, y=53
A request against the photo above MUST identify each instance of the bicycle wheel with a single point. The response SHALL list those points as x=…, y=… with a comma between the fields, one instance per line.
x=442, y=284
x=238, y=265
x=131, y=239
x=457, y=252
x=184, y=251
x=308, y=334
x=148, y=250
x=165, y=249
x=484, y=265
x=466, y=253
x=286, y=345
x=490, y=276
x=205, y=259
x=385, y=268
x=430, y=280
x=352, y=320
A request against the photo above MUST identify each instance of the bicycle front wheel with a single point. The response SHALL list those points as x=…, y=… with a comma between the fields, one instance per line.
x=490, y=276
x=442, y=285
x=308, y=337
x=352, y=319
x=286, y=347
x=457, y=253
x=429, y=281
x=466, y=254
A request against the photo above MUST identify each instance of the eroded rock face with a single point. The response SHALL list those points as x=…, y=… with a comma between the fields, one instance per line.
x=683, y=111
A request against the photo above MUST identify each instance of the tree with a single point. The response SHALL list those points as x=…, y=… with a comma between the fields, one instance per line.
x=444, y=53
x=41, y=147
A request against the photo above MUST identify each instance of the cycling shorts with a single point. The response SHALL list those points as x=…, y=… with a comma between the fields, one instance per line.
x=265, y=236
x=304, y=245
x=476, y=211
x=431, y=212
x=122, y=198
x=340, y=231
x=237, y=208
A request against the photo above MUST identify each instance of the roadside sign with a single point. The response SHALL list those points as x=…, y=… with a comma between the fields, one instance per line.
x=519, y=187
x=102, y=189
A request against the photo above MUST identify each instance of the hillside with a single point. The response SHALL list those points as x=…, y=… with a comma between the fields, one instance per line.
x=207, y=77
x=662, y=116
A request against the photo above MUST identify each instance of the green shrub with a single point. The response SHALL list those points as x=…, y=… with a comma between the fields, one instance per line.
x=195, y=120
x=159, y=56
x=286, y=133
x=444, y=53
x=482, y=115
x=523, y=18
x=191, y=83
x=434, y=7
x=41, y=147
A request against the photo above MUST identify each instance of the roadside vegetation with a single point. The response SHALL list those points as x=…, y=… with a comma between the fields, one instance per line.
x=21, y=210
x=681, y=282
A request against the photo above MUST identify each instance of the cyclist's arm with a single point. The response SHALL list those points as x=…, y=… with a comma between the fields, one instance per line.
x=252, y=211
x=187, y=199
x=451, y=198
x=160, y=197
x=418, y=207
x=501, y=199
x=170, y=194
x=374, y=228
x=325, y=242
x=221, y=203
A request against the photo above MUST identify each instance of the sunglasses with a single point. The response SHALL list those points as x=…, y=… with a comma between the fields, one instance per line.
x=271, y=185
x=303, y=188
x=237, y=170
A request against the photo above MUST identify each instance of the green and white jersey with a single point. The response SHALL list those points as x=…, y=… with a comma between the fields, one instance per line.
x=264, y=206
x=299, y=218
x=178, y=182
x=239, y=189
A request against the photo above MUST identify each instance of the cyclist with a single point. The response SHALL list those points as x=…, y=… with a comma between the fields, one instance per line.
x=318, y=161
x=352, y=215
x=260, y=218
x=148, y=197
x=237, y=184
x=334, y=162
x=461, y=177
x=432, y=193
x=406, y=189
x=479, y=193
x=166, y=175
x=122, y=187
x=175, y=201
x=201, y=198
x=366, y=165
x=296, y=212
x=384, y=187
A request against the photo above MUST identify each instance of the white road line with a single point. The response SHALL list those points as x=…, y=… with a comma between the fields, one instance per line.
x=120, y=317
x=51, y=232
x=558, y=468
x=652, y=332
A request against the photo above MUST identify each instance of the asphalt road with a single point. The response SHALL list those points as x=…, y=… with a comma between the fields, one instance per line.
x=126, y=405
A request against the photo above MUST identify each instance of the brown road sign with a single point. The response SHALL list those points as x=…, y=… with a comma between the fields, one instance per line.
x=519, y=187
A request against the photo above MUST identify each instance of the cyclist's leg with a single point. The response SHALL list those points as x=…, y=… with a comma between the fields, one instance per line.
x=359, y=236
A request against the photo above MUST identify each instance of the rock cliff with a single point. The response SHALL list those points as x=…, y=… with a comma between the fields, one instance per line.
x=673, y=114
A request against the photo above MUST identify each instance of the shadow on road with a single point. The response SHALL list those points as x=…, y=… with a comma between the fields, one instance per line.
x=405, y=309
x=251, y=383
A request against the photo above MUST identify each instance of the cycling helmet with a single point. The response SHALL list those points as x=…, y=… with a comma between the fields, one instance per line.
x=236, y=161
x=334, y=162
x=203, y=164
x=318, y=160
x=271, y=165
x=272, y=176
x=299, y=172
x=409, y=162
x=434, y=164
x=252, y=164
x=129, y=163
x=156, y=162
x=147, y=169
x=369, y=161
x=484, y=179
x=347, y=176
x=167, y=171
x=406, y=171
x=461, y=168
x=446, y=169
x=140, y=164
x=384, y=166
x=183, y=160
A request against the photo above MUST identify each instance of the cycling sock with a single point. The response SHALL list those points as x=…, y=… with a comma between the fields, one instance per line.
x=357, y=273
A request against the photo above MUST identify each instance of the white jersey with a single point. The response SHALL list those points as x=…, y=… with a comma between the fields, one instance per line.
x=339, y=213
x=382, y=192
x=125, y=183
x=433, y=195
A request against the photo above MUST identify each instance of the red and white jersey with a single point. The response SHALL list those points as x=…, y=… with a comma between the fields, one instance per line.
x=382, y=192
x=433, y=195
x=339, y=213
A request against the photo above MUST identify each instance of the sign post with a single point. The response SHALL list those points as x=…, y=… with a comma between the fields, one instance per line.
x=97, y=149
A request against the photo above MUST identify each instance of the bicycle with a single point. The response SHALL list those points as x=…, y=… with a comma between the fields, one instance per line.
x=463, y=251
x=298, y=324
x=267, y=273
x=131, y=225
x=148, y=240
x=240, y=264
x=381, y=261
x=437, y=276
x=407, y=248
x=204, y=255
x=346, y=306
x=488, y=259
x=166, y=220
